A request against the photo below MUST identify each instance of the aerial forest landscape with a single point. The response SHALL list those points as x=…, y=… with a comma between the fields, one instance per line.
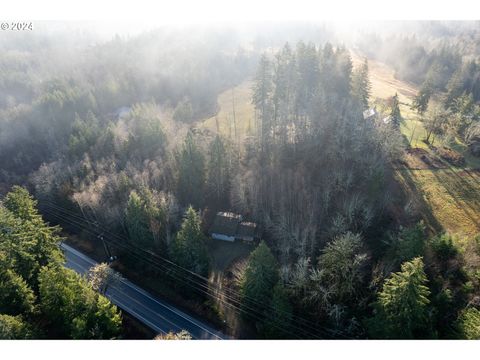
x=308, y=181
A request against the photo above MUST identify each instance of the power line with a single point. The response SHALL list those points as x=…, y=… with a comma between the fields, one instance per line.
x=174, y=275
x=313, y=327
x=305, y=323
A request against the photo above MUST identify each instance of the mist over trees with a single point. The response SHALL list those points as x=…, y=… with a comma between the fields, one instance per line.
x=108, y=136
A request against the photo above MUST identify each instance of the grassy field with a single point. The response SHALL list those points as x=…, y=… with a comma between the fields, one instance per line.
x=384, y=86
x=449, y=198
x=243, y=123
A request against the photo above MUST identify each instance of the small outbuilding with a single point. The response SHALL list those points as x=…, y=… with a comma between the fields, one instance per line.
x=369, y=114
x=228, y=226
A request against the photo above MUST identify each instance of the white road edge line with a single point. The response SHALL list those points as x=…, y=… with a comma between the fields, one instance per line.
x=143, y=292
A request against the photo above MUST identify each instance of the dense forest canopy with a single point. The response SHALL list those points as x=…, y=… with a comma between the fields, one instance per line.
x=108, y=134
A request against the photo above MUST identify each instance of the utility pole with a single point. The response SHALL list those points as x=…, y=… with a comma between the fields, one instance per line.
x=110, y=257
x=105, y=246
x=234, y=119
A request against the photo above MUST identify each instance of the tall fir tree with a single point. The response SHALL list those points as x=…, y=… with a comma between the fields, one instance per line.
x=279, y=318
x=137, y=221
x=189, y=247
x=261, y=98
x=421, y=100
x=395, y=114
x=402, y=308
x=361, y=85
x=218, y=174
x=191, y=177
x=260, y=278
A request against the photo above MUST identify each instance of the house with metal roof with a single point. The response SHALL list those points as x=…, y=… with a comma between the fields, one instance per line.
x=228, y=226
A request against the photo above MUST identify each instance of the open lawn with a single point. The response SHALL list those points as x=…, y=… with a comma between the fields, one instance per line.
x=243, y=122
x=448, y=198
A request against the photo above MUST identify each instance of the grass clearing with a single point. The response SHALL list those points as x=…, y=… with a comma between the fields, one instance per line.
x=244, y=123
x=449, y=198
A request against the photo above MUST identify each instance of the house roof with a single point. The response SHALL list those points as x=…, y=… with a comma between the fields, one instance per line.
x=368, y=113
x=226, y=223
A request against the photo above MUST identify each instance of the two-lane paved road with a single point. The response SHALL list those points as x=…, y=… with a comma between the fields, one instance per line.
x=155, y=313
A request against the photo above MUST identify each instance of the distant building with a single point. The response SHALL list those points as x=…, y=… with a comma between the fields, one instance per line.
x=229, y=226
x=387, y=120
x=369, y=113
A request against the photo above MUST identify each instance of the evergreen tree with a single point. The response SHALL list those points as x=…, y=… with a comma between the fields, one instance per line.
x=191, y=177
x=146, y=138
x=261, y=97
x=395, y=115
x=16, y=297
x=73, y=308
x=21, y=204
x=410, y=243
x=189, y=249
x=279, y=318
x=420, y=102
x=137, y=221
x=261, y=276
x=468, y=324
x=402, y=306
x=284, y=77
x=454, y=88
x=14, y=328
x=361, y=85
x=341, y=265
x=25, y=237
x=308, y=72
x=218, y=173
x=84, y=135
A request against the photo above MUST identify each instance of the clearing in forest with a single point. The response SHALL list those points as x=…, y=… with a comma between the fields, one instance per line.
x=236, y=116
x=449, y=196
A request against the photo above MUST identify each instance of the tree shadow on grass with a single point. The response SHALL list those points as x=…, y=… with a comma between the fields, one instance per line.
x=411, y=191
x=459, y=189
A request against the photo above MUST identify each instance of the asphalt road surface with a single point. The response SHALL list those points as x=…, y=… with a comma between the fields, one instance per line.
x=155, y=313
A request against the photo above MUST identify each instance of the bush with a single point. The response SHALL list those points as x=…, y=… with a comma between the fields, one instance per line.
x=443, y=247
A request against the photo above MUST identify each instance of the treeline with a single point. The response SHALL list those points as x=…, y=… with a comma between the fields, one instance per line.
x=447, y=71
x=46, y=87
x=39, y=298
x=319, y=169
x=130, y=164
